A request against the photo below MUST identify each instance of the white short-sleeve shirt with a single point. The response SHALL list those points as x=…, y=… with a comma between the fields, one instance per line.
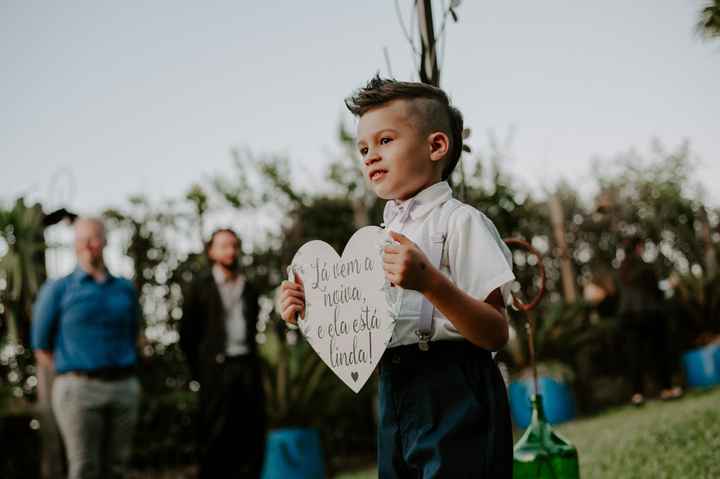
x=474, y=257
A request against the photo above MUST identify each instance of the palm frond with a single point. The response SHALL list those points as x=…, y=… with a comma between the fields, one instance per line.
x=708, y=26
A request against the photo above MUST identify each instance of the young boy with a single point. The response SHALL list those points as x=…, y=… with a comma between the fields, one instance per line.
x=443, y=405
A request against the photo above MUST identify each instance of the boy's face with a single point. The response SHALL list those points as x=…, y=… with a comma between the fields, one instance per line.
x=396, y=155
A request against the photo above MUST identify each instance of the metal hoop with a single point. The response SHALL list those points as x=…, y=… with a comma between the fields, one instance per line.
x=518, y=303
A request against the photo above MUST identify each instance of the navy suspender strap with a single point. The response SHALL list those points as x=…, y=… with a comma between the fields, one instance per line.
x=437, y=242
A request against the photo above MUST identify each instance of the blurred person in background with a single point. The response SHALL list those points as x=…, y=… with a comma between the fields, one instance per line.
x=601, y=292
x=217, y=335
x=85, y=326
x=643, y=323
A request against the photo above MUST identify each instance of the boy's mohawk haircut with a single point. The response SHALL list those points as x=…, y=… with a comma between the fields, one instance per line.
x=437, y=113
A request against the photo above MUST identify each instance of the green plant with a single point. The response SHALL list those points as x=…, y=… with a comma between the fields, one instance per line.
x=22, y=267
x=697, y=300
x=708, y=25
x=300, y=389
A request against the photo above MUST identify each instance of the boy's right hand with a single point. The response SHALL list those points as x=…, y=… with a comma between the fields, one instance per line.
x=292, y=300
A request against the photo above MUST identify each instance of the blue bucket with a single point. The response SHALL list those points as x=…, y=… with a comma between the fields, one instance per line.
x=557, y=397
x=293, y=453
x=702, y=366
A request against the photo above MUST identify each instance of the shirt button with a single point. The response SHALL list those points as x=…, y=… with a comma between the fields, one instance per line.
x=220, y=358
x=396, y=359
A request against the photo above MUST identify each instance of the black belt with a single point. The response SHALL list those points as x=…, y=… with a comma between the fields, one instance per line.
x=107, y=374
x=411, y=356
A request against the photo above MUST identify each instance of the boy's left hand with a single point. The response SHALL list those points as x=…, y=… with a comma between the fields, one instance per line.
x=405, y=264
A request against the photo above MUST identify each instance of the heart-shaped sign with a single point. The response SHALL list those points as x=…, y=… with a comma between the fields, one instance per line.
x=347, y=319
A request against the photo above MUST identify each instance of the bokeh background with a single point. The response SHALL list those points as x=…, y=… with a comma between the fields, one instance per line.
x=587, y=124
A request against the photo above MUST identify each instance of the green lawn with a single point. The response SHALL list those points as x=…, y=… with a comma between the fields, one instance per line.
x=677, y=439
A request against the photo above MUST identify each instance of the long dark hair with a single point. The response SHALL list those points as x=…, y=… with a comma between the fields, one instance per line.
x=628, y=264
x=210, y=241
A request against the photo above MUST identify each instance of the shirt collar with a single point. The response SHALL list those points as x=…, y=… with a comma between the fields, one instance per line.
x=220, y=278
x=80, y=275
x=420, y=204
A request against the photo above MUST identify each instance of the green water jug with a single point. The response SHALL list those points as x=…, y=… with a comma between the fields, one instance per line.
x=543, y=453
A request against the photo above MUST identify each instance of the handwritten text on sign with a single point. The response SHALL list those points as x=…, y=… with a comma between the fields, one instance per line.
x=347, y=321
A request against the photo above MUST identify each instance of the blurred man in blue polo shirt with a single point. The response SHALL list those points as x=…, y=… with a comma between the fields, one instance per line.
x=85, y=326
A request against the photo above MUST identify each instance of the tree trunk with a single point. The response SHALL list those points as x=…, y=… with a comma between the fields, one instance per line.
x=711, y=264
x=566, y=269
x=429, y=71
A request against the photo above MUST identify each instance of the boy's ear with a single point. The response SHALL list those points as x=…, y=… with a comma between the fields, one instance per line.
x=439, y=145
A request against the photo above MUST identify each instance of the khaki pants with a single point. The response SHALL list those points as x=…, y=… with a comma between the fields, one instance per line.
x=97, y=420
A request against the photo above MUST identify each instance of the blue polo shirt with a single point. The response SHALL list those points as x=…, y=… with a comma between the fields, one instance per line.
x=87, y=325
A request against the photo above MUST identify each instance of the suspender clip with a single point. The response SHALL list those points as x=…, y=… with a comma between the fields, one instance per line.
x=423, y=340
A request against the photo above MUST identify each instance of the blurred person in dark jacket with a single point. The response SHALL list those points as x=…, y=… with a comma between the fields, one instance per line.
x=217, y=336
x=602, y=292
x=643, y=323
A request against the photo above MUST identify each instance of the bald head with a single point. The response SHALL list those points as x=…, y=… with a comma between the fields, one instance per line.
x=89, y=242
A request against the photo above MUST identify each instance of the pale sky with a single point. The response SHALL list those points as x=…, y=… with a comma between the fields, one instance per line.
x=149, y=97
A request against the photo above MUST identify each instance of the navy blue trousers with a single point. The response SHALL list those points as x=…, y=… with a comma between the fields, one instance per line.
x=444, y=413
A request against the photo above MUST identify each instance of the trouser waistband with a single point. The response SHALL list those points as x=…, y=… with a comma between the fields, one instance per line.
x=106, y=374
x=411, y=354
